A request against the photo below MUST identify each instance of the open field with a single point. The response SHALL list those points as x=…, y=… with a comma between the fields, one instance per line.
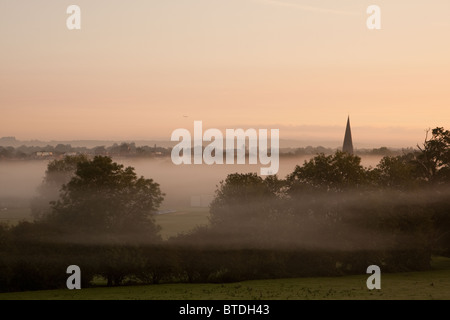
x=14, y=215
x=434, y=284
x=181, y=220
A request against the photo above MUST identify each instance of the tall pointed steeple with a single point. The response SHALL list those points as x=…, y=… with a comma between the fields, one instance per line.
x=348, y=143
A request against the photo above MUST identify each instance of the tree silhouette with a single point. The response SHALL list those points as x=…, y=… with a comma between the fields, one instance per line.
x=105, y=197
x=434, y=159
x=338, y=172
x=58, y=173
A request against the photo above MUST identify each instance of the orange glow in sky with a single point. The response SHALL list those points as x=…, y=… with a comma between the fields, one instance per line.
x=140, y=69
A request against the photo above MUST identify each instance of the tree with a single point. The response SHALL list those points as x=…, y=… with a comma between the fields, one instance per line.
x=63, y=148
x=6, y=152
x=105, y=197
x=338, y=172
x=58, y=173
x=398, y=172
x=434, y=159
x=243, y=196
x=101, y=150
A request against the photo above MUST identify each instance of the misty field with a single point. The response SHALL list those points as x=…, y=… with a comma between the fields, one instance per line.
x=181, y=220
x=434, y=284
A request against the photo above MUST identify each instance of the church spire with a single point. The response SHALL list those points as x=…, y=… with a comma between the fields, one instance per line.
x=348, y=143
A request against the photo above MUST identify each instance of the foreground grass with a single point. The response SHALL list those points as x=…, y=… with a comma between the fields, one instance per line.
x=434, y=284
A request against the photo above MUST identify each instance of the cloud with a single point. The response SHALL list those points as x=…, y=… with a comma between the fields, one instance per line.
x=302, y=7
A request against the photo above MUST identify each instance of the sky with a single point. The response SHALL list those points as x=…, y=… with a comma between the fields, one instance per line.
x=140, y=69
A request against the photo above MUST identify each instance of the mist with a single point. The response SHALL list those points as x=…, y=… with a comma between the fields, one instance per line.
x=19, y=179
x=260, y=227
x=192, y=185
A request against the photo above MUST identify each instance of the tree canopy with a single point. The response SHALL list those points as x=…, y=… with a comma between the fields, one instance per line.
x=58, y=173
x=338, y=172
x=106, y=197
x=434, y=158
x=242, y=195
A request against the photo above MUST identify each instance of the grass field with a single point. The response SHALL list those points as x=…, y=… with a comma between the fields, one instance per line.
x=434, y=284
x=14, y=215
x=182, y=220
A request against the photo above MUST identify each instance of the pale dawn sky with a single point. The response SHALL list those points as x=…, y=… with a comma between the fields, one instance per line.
x=141, y=69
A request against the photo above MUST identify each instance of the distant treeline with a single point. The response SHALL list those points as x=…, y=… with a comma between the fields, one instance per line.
x=60, y=150
x=131, y=150
x=382, y=151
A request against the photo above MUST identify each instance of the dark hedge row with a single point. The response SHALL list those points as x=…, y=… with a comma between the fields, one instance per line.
x=36, y=266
